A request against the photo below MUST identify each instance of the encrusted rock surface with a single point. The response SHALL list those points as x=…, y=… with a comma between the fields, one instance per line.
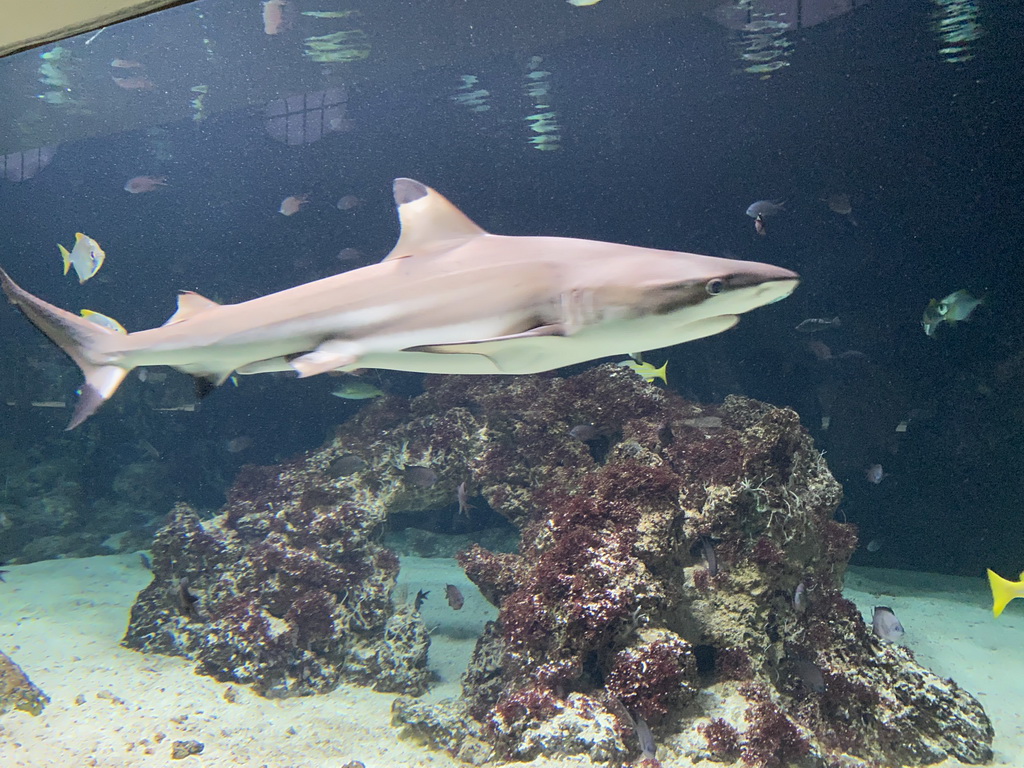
x=17, y=691
x=655, y=582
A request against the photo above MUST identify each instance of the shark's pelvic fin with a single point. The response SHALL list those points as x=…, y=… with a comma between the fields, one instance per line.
x=327, y=357
x=75, y=336
x=206, y=384
x=100, y=383
x=428, y=220
x=190, y=304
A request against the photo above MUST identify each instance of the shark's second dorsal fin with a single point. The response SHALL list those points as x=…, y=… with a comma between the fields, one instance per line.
x=427, y=219
x=190, y=304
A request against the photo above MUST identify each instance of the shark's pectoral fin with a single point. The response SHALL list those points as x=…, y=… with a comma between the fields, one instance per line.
x=476, y=346
x=327, y=357
x=709, y=326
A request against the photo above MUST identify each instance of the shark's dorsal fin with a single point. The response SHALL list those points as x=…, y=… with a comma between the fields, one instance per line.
x=427, y=219
x=190, y=304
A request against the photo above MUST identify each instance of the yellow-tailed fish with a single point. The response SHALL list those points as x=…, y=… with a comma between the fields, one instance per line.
x=86, y=257
x=648, y=371
x=1003, y=590
x=580, y=3
x=102, y=320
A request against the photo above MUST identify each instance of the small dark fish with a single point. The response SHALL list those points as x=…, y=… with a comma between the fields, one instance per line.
x=455, y=598
x=421, y=477
x=345, y=465
x=646, y=739
x=887, y=627
x=2, y=575
x=759, y=226
x=421, y=598
x=186, y=600
x=585, y=432
x=145, y=561
x=800, y=597
x=809, y=674
x=709, y=555
x=815, y=324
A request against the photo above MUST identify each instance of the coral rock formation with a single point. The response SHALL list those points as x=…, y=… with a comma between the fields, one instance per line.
x=17, y=691
x=680, y=568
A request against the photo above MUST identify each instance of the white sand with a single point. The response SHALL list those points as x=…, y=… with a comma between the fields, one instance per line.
x=62, y=622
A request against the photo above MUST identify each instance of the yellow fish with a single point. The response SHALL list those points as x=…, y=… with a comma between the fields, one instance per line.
x=86, y=257
x=102, y=320
x=1003, y=591
x=648, y=371
x=580, y=3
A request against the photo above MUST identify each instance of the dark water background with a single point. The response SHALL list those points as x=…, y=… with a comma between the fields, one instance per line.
x=664, y=143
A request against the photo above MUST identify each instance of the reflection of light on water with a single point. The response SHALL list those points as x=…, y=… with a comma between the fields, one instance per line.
x=762, y=44
x=956, y=24
x=765, y=45
x=544, y=121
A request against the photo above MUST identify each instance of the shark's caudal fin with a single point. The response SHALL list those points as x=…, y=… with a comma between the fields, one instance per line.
x=75, y=336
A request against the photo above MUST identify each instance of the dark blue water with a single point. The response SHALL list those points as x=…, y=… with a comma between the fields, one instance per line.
x=664, y=141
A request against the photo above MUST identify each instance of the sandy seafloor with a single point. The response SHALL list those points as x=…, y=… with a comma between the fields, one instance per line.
x=62, y=621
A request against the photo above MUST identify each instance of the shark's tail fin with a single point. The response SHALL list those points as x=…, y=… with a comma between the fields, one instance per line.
x=76, y=336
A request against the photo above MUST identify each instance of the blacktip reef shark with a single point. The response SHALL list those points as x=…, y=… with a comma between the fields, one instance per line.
x=449, y=298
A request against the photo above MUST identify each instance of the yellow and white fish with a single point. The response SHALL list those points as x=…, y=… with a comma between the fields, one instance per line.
x=1003, y=590
x=102, y=320
x=648, y=371
x=580, y=3
x=86, y=257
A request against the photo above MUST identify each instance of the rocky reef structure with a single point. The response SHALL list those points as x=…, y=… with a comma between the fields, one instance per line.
x=678, y=582
x=17, y=691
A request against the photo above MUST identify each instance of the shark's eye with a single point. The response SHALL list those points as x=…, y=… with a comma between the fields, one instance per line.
x=714, y=287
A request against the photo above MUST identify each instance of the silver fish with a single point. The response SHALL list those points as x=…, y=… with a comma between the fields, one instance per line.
x=815, y=324
x=450, y=298
x=765, y=208
x=886, y=626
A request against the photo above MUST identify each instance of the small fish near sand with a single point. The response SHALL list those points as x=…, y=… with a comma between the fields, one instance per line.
x=885, y=625
x=86, y=257
x=1003, y=590
x=421, y=598
x=140, y=184
x=454, y=597
x=816, y=324
x=646, y=371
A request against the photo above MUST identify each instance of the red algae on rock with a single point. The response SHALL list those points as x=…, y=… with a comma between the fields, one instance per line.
x=611, y=610
x=610, y=600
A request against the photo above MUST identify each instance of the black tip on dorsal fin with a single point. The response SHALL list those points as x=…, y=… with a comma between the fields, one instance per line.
x=408, y=190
